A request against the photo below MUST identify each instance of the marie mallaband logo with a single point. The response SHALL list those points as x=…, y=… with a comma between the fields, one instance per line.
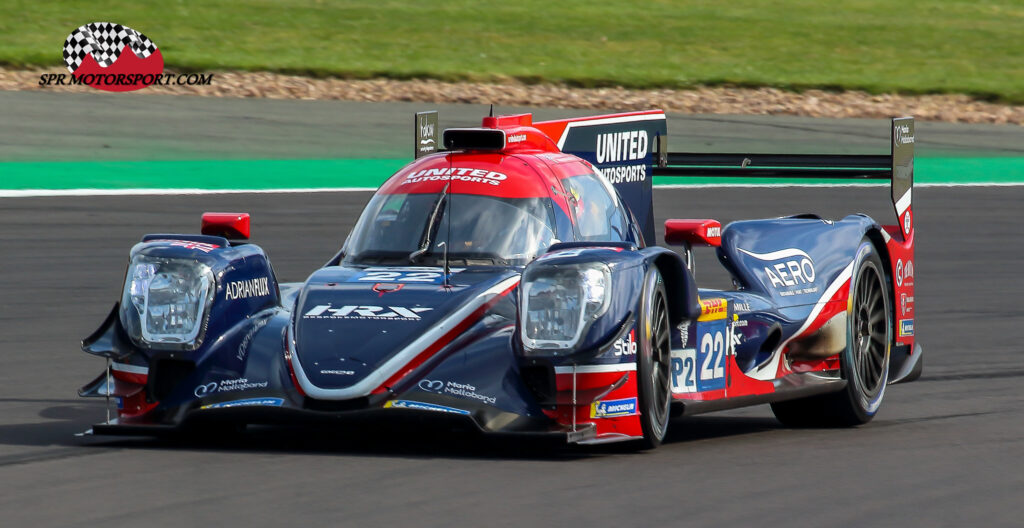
x=115, y=58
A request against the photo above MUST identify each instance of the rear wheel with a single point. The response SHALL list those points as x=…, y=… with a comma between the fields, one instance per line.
x=864, y=364
x=654, y=361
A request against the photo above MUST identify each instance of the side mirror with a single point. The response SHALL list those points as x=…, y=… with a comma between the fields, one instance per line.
x=232, y=226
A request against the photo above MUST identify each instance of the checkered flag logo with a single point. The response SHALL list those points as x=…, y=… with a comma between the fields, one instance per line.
x=104, y=41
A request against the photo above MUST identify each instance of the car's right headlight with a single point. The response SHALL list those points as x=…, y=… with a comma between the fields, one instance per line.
x=166, y=302
x=559, y=304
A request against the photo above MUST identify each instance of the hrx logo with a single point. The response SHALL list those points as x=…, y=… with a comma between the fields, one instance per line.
x=399, y=313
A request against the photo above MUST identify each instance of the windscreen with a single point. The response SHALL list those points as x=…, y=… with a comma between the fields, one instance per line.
x=409, y=229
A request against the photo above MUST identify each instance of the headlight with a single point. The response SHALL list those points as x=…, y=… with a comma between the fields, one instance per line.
x=559, y=304
x=166, y=302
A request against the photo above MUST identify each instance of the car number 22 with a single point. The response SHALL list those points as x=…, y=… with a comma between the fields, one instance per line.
x=701, y=369
x=398, y=275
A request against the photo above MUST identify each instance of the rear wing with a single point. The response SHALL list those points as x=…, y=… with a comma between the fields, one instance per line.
x=630, y=148
x=897, y=167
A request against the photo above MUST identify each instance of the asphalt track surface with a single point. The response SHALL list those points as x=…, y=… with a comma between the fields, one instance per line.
x=943, y=451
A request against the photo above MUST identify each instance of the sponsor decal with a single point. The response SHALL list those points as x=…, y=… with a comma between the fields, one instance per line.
x=626, y=174
x=228, y=386
x=618, y=147
x=737, y=337
x=515, y=138
x=613, y=408
x=902, y=136
x=427, y=129
x=622, y=146
x=626, y=346
x=906, y=222
x=904, y=272
x=741, y=307
x=337, y=372
x=906, y=327
x=462, y=390
x=374, y=313
x=906, y=304
x=249, y=402
x=464, y=174
x=188, y=244
x=432, y=385
x=421, y=406
x=713, y=309
x=244, y=289
x=243, y=347
x=713, y=232
x=684, y=333
x=792, y=271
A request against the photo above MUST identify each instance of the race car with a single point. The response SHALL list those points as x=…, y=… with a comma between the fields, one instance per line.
x=510, y=282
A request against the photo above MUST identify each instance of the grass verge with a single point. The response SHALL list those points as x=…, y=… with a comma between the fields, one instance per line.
x=929, y=46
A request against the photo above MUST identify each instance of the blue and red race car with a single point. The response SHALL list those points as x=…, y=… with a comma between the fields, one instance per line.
x=511, y=282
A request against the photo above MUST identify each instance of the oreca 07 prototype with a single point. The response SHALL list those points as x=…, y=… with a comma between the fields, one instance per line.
x=512, y=281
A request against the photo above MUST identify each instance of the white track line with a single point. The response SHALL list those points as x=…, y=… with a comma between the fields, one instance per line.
x=29, y=193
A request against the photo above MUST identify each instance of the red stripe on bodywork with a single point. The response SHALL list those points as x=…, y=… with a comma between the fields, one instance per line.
x=130, y=377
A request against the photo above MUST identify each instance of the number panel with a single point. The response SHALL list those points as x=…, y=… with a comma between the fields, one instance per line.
x=711, y=355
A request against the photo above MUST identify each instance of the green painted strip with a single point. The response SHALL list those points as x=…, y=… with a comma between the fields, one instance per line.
x=309, y=174
x=219, y=174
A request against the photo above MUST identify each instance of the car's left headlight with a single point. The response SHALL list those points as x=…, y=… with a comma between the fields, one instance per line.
x=166, y=302
x=559, y=304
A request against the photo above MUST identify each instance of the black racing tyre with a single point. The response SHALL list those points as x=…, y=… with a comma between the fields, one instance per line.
x=654, y=363
x=864, y=364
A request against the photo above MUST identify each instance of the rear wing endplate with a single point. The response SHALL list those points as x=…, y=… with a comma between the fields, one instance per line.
x=425, y=130
x=897, y=167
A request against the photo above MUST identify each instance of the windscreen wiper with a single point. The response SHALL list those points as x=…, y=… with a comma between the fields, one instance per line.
x=435, y=215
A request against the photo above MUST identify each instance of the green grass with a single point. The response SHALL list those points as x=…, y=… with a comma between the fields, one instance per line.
x=926, y=46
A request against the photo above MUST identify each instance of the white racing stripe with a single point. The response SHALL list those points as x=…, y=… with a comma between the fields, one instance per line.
x=776, y=255
x=592, y=369
x=904, y=202
x=131, y=369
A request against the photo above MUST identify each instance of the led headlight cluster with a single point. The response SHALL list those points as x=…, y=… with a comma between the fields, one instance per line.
x=559, y=304
x=166, y=302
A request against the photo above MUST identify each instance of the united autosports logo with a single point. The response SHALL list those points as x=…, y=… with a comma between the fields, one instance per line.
x=115, y=58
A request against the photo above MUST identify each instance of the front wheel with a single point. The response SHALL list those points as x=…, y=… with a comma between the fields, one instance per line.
x=864, y=363
x=654, y=361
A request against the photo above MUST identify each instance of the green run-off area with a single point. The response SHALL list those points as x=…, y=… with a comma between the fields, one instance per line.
x=370, y=173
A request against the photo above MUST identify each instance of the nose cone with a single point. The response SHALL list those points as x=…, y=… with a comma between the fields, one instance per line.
x=347, y=330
